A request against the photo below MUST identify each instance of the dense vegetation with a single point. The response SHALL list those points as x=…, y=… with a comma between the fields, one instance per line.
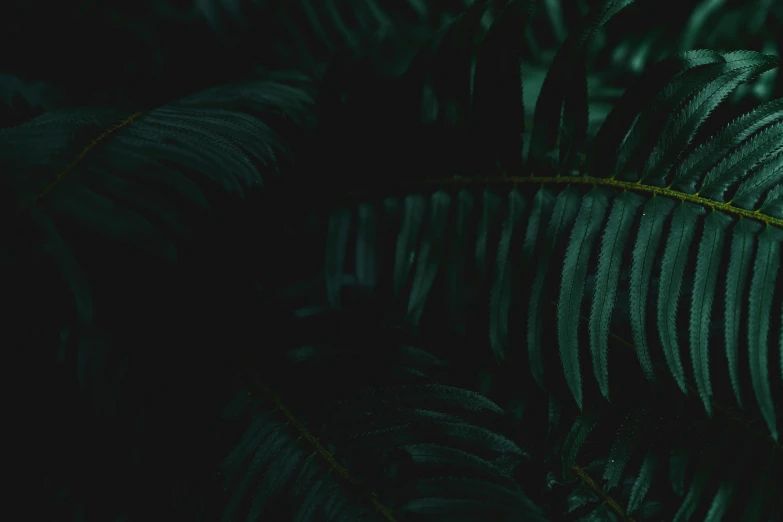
x=321, y=260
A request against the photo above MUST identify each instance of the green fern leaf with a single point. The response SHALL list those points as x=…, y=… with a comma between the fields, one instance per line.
x=582, y=426
x=585, y=231
x=762, y=287
x=755, y=150
x=141, y=188
x=603, y=154
x=720, y=502
x=414, y=443
x=752, y=188
x=643, y=481
x=649, y=128
x=702, y=296
x=675, y=255
x=773, y=203
x=691, y=502
x=707, y=155
x=620, y=454
x=740, y=259
x=680, y=131
x=647, y=240
x=613, y=243
x=678, y=97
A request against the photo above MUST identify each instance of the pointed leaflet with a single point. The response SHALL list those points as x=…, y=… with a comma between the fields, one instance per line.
x=500, y=296
x=443, y=398
x=565, y=209
x=554, y=14
x=644, y=258
x=678, y=134
x=627, y=437
x=498, y=113
x=702, y=297
x=432, y=455
x=607, y=278
x=643, y=481
x=720, y=502
x=559, y=81
x=675, y=256
x=745, y=157
x=581, y=497
x=770, y=174
x=649, y=128
x=273, y=445
x=586, y=228
x=258, y=431
x=309, y=490
x=430, y=253
x=693, y=167
x=676, y=97
x=465, y=498
x=80, y=160
x=576, y=436
x=773, y=203
x=542, y=206
x=691, y=501
x=740, y=262
x=700, y=16
x=603, y=153
x=762, y=290
x=279, y=473
x=478, y=440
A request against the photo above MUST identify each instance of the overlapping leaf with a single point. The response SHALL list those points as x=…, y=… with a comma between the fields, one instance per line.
x=672, y=189
x=144, y=185
x=399, y=447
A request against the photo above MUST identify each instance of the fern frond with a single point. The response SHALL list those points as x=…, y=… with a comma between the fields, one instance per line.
x=399, y=447
x=146, y=187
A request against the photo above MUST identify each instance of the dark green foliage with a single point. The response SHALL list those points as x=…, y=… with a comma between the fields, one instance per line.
x=369, y=260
